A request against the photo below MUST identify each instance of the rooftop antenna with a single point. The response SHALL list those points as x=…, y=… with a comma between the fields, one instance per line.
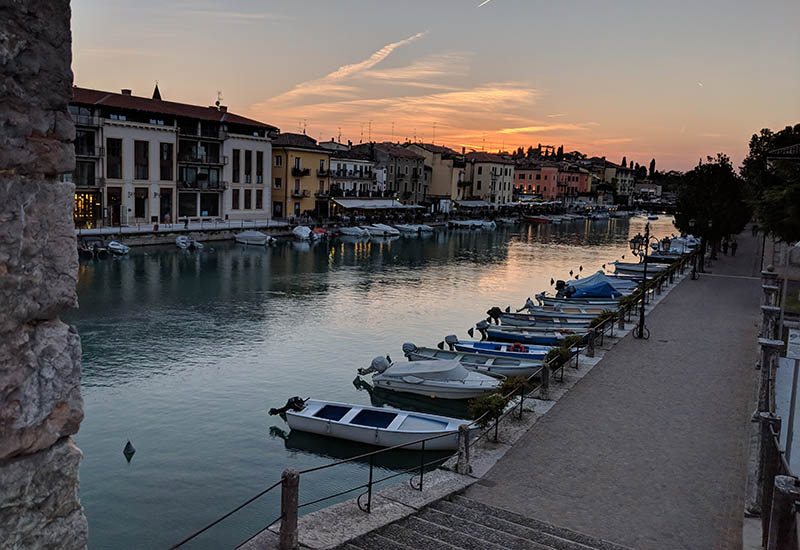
x=339, y=139
x=219, y=96
x=415, y=135
x=305, y=123
x=433, y=139
x=483, y=143
x=393, y=130
x=369, y=130
x=361, y=137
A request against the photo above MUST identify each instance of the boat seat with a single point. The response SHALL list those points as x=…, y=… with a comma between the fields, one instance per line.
x=332, y=412
x=374, y=419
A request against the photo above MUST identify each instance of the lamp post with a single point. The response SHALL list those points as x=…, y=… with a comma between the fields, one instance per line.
x=694, y=259
x=641, y=245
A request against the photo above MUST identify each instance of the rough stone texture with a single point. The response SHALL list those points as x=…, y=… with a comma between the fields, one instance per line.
x=40, y=403
x=35, y=57
x=38, y=252
x=40, y=507
x=40, y=400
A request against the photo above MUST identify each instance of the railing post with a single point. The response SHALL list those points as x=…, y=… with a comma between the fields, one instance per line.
x=463, y=466
x=786, y=492
x=621, y=318
x=590, y=343
x=769, y=285
x=545, y=388
x=767, y=363
x=768, y=462
x=769, y=321
x=290, y=485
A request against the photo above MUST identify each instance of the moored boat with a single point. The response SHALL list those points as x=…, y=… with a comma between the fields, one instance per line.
x=117, y=248
x=489, y=364
x=609, y=303
x=445, y=379
x=254, y=238
x=407, y=227
x=184, y=242
x=543, y=336
x=353, y=231
x=637, y=268
x=501, y=349
x=537, y=219
x=373, y=425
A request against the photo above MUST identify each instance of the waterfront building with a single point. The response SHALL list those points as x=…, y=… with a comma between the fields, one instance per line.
x=301, y=176
x=146, y=160
x=537, y=178
x=491, y=177
x=353, y=174
x=402, y=170
x=445, y=169
x=572, y=182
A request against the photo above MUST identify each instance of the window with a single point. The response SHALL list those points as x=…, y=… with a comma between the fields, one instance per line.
x=321, y=186
x=530, y=176
x=479, y=185
x=321, y=165
x=259, y=166
x=259, y=199
x=188, y=174
x=165, y=161
x=480, y=170
x=235, y=199
x=278, y=160
x=278, y=183
x=297, y=186
x=187, y=205
x=84, y=142
x=247, y=199
x=538, y=177
x=236, y=158
x=248, y=166
x=114, y=158
x=83, y=176
x=297, y=162
x=522, y=176
x=406, y=169
x=141, y=161
x=391, y=169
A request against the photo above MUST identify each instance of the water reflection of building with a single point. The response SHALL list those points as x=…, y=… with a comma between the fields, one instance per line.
x=146, y=160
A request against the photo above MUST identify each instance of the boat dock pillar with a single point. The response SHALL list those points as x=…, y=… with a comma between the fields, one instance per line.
x=290, y=489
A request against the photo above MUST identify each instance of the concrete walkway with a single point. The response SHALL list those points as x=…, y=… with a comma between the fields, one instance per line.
x=649, y=450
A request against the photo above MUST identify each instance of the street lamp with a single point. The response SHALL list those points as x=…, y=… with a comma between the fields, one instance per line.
x=692, y=223
x=640, y=245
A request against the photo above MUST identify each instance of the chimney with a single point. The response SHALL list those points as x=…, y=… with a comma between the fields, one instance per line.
x=126, y=91
x=463, y=150
x=349, y=144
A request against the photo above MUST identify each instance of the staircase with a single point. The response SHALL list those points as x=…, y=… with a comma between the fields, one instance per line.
x=469, y=524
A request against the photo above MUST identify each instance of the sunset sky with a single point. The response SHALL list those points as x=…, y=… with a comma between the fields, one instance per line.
x=671, y=80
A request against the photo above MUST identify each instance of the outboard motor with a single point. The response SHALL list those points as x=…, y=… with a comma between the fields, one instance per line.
x=495, y=314
x=529, y=303
x=539, y=298
x=451, y=340
x=295, y=403
x=409, y=348
x=482, y=326
x=379, y=365
x=569, y=291
x=560, y=285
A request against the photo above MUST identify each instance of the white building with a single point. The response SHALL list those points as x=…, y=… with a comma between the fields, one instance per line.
x=145, y=160
x=353, y=175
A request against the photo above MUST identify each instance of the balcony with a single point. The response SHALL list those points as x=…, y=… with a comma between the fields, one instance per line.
x=185, y=131
x=202, y=185
x=86, y=120
x=194, y=159
x=322, y=173
x=322, y=195
x=89, y=152
x=300, y=194
x=353, y=174
x=300, y=172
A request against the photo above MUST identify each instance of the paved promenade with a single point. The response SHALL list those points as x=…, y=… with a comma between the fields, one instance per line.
x=649, y=450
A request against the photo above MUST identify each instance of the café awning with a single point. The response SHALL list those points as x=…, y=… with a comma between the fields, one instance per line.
x=472, y=204
x=374, y=204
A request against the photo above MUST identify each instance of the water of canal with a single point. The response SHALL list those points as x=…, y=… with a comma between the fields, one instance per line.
x=184, y=352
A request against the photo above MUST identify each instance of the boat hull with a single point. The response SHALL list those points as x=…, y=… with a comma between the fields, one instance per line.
x=501, y=349
x=484, y=364
x=450, y=391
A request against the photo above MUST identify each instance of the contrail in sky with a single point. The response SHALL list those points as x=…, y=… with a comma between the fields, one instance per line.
x=484, y=3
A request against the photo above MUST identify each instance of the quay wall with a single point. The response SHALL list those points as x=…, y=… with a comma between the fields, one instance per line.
x=40, y=356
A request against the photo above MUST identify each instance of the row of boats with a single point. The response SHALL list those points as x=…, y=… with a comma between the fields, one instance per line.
x=512, y=343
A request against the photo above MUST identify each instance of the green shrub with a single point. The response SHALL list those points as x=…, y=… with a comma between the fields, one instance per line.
x=571, y=341
x=491, y=405
x=600, y=319
x=557, y=357
x=513, y=383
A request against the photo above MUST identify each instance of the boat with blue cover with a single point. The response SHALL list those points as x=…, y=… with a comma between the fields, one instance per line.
x=501, y=349
x=372, y=425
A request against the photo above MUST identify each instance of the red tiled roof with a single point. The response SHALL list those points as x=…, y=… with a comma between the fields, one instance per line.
x=480, y=156
x=86, y=96
x=441, y=149
x=398, y=151
x=298, y=140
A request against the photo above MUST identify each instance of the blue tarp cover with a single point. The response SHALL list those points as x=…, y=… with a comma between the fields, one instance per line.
x=601, y=289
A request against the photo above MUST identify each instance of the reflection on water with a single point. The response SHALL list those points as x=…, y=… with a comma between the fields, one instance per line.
x=184, y=352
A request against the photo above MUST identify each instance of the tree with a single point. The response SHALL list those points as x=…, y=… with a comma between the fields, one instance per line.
x=531, y=152
x=624, y=162
x=774, y=182
x=560, y=153
x=652, y=168
x=712, y=201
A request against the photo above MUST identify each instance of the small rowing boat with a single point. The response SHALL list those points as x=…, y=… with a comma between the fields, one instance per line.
x=543, y=336
x=489, y=364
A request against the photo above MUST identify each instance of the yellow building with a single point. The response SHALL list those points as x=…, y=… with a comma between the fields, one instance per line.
x=300, y=177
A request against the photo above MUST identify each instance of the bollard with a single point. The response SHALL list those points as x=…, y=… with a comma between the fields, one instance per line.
x=590, y=343
x=767, y=467
x=290, y=484
x=463, y=466
x=781, y=523
x=621, y=318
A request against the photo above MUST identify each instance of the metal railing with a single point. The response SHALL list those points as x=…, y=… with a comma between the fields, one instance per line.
x=290, y=479
x=780, y=490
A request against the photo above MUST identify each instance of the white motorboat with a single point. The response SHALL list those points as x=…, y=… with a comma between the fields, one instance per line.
x=445, y=379
x=637, y=268
x=382, y=229
x=184, y=242
x=353, y=231
x=254, y=237
x=652, y=217
x=305, y=233
x=373, y=425
x=552, y=301
x=492, y=365
x=407, y=227
x=425, y=228
x=116, y=247
x=466, y=224
x=489, y=224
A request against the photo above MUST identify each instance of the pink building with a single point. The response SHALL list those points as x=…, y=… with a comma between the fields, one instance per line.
x=537, y=178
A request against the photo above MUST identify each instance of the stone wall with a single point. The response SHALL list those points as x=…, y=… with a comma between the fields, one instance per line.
x=40, y=401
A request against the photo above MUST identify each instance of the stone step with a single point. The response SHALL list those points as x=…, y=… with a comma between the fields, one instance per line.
x=456, y=539
x=490, y=520
x=477, y=530
x=374, y=541
x=412, y=539
x=537, y=525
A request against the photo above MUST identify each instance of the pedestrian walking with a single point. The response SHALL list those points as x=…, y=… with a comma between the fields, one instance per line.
x=725, y=247
x=734, y=246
